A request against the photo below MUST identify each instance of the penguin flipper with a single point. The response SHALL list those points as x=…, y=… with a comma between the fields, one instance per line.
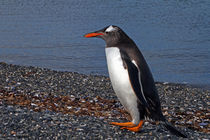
x=134, y=76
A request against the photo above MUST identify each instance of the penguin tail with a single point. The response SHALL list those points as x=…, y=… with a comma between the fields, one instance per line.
x=172, y=129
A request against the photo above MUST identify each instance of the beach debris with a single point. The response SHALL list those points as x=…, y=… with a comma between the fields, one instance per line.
x=101, y=108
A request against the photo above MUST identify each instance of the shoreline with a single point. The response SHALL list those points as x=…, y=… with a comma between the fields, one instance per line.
x=201, y=86
x=180, y=103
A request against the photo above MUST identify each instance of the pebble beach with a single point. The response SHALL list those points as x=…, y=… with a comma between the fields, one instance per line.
x=39, y=103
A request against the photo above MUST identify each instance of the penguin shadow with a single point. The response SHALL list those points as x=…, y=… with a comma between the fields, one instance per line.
x=153, y=130
x=149, y=130
x=157, y=131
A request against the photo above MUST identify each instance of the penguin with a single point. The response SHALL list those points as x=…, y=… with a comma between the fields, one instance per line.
x=131, y=80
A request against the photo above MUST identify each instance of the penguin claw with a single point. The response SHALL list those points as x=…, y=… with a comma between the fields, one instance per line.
x=126, y=124
x=134, y=128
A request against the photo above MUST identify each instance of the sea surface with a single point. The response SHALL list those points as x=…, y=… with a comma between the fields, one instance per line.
x=173, y=35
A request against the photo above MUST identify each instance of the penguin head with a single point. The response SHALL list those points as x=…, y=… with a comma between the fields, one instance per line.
x=112, y=35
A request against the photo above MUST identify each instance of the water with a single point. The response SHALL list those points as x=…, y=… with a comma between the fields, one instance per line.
x=174, y=36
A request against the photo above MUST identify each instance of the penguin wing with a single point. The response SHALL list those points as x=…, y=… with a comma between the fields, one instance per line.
x=134, y=75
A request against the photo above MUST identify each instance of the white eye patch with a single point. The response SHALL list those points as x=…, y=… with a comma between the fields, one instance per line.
x=110, y=29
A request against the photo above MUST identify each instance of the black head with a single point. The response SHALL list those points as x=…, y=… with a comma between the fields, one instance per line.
x=113, y=35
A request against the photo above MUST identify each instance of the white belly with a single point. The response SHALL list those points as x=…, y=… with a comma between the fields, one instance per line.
x=121, y=83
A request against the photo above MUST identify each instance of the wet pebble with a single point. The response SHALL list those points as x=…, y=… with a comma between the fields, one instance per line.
x=25, y=123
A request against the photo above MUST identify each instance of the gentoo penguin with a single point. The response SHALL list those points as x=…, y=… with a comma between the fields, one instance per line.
x=131, y=80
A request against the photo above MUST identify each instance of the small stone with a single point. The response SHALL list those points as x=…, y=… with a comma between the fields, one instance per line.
x=13, y=132
x=182, y=109
x=203, y=124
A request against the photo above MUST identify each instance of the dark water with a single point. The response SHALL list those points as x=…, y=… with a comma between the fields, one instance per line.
x=173, y=35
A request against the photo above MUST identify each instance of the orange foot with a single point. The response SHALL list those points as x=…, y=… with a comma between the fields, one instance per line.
x=126, y=124
x=129, y=125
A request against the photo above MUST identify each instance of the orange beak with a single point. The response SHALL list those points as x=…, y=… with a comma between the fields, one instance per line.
x=93, y=34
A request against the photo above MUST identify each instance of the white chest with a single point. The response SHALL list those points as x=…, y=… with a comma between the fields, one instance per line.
x=120, y=81
x=118, y=74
